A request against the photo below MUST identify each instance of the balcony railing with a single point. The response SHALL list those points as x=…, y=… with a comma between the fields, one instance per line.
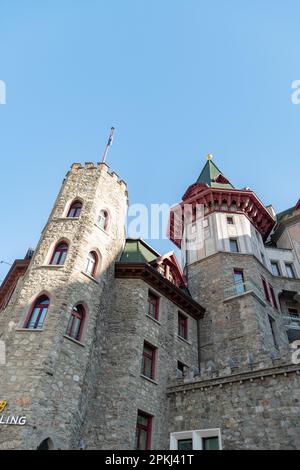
x=241, y=288
x=291, y=322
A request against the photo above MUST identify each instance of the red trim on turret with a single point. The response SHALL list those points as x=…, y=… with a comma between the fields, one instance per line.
x=7, y=288
x=214, y=199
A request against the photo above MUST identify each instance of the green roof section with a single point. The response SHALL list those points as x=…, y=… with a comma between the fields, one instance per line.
x=281, y=215
x=213, y=177
x=137, y=251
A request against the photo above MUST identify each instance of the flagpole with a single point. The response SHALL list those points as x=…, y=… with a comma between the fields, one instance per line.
x=110, y=139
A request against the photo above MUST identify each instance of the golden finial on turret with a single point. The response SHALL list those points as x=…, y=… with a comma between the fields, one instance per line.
x=209, y=157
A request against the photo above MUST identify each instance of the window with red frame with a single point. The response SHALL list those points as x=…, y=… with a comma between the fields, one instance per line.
x=148, y=362
x=75, y=209
x=60, y=253
x=91, y=264
x=143, y=431
x=182, y=326
x=266, y=290
x=153, y=305
x=274, y=301
x=75, y=325
x=38, y=314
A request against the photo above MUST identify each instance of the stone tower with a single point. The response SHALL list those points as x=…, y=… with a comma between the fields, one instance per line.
x=54, y=323
x=230, y=272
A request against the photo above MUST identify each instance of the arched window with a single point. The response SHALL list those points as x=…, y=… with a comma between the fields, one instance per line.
x=91, y=263
x=103, y=220
x=60, y=253
x=75, y=209
x=38, y=313
x=75, y=325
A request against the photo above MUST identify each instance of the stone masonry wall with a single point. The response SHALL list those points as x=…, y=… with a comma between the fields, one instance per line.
x=234, y=326
x=48, y=377
x=255, y=410
x=121, y=390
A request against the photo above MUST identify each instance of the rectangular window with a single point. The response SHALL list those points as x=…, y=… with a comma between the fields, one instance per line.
x=239, y=281
x=182, y=326
x=211, y=443
x=274, y=301
x=203, y=439
x=293, y=312
x=180, y=369
x=230, y=221
x=153, y=305
x=290, y=270
x=263, y=259
x=266, y=290
x=273, y=330
x=275, y=268
x=143, y=431
x=234, y=247
x=185, y=444
x=148, y=362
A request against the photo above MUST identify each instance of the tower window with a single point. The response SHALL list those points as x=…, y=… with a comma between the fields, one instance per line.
x=275, y=268
x=75, y=325
x=290, y=270
x=230, y=221
x=234, y=247
x=38, y=314
x=273, y=296
x=143, y=431
x=239, y=281
x=273, y=330
x=75, y=209
x=60, y=253
x=153, y=305
x=266, y=290
x=103, y=220
x=182, y=326
x=293, y=312
x=91, y=264
x=148, y=362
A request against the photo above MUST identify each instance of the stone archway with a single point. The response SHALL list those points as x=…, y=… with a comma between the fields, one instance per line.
x=46, y=444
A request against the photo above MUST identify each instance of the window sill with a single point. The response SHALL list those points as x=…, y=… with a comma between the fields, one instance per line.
x=65, y=218
x=50, y=266
x=74, y=341
x=184, y=340
x=30, y=330
x=90, y=277
x=102, y=230
x=149, y=380
x=153, y=319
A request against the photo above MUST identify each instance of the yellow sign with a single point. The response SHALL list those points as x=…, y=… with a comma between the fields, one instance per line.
x=3, y=405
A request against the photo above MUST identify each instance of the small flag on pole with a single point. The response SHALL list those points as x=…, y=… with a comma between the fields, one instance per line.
x=110, y=141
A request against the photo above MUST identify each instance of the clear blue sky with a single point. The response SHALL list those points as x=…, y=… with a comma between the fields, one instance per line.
x=177, y=78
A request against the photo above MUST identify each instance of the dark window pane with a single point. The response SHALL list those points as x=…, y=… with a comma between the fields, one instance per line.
x=211, y=443
x=185, y=444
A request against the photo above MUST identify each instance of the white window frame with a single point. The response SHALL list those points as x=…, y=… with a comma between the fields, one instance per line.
x=196, y=436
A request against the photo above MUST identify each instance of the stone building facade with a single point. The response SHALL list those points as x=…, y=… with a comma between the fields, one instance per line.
x=109, y=345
